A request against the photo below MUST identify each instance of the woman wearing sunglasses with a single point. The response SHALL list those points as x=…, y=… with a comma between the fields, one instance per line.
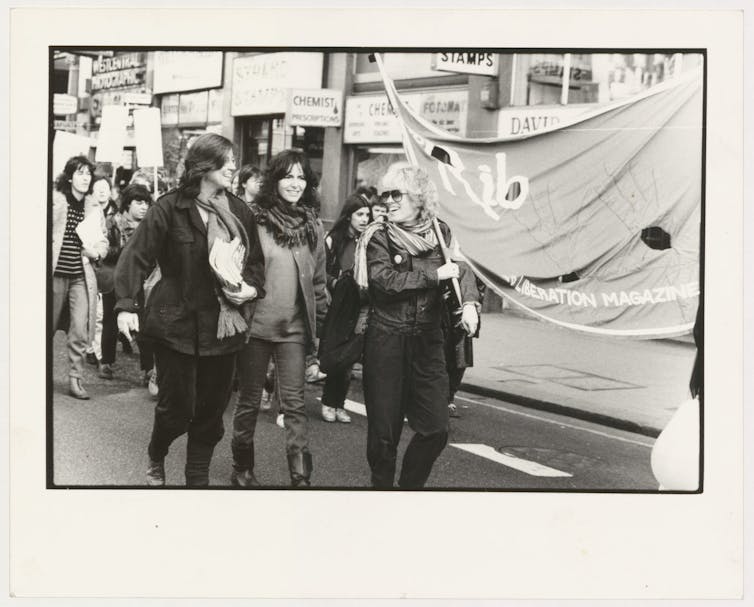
x=400, y=262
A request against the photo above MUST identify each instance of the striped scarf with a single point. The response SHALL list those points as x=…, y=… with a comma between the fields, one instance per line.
x=416, y=239
x=222, y=223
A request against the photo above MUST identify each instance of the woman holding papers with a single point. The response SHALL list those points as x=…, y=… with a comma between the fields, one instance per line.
x=288, y=319
x=78, y=241
x=205, y=241
x=401, y=263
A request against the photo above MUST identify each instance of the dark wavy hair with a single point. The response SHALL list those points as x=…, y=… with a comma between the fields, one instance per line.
x=338, y=232
x=132, y=192
x=277, y=169
x=63, y=181
x=208, y=153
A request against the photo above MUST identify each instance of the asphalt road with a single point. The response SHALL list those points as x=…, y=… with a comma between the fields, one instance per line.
x=494, y=445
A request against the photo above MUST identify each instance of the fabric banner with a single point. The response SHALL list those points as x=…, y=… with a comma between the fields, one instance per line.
x=554, y=221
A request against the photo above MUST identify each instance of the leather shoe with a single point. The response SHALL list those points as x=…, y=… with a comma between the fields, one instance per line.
x=156, y=473
x=243, y=478
x=105, y=371
x=76, y=389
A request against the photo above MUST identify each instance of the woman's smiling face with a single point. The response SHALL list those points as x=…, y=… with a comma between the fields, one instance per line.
x=292, y=185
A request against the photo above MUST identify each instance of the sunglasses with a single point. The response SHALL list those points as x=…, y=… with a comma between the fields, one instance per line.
x=396, y=195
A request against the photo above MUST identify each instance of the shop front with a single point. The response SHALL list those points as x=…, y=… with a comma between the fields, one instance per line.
x=263, y=90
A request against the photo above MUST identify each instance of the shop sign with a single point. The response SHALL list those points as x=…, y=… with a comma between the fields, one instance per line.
x=215, y=111
x=526, y=121
x=123, y=61
x=485, y=64
x=137, y=98
x=187, y=70
x=260, y=83
x=62, y=105
x=192, y=109
x=103, y=98
x=65, y=125
x=369, y=119
x=169, y=110
x=315, y=107
x=112, y=80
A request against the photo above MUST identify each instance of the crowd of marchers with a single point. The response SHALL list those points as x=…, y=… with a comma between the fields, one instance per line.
x=230, y=282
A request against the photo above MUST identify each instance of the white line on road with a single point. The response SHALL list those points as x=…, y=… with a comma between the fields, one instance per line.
x=557, y=423
x=531, y=468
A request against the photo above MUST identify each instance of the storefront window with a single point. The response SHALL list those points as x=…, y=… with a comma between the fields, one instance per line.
x=372, y=163
x=559, y=79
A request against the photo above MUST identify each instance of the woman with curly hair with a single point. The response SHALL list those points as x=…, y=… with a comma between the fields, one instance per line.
x=197, y=315
x=401, y=264
x=288, y=318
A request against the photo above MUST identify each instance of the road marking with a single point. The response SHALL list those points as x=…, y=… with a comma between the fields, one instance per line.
x=531, y=468
x=557, y=423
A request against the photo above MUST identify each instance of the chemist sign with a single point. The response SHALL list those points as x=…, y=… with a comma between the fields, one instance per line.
x=315, y=107
x=466, y=63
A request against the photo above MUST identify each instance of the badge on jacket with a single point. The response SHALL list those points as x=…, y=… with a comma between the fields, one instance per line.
x=397, y=259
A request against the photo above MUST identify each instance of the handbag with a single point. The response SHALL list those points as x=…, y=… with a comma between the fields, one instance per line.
x=340, y=345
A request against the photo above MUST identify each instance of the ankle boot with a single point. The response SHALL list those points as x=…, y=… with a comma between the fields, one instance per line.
x=300, y=467
x=243, y=467
x=198, y=457
x=76, y=389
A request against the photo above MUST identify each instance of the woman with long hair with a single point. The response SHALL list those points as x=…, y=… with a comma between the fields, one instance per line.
x=205, y=242
x=340, y=245
x=74, y=283
x=401, y=263
x=288, y=318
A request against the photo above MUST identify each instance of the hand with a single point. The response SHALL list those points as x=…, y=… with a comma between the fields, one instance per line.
x=246, y=293
x=128, y=322
x=470, y=318
x=448, y=270
x=89, y=253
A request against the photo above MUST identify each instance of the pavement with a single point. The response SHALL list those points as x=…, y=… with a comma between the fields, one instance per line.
x=633, y=385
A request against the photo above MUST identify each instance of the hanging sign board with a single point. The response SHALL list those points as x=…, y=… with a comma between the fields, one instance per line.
x=315, y=107
x=176, y=71
x=148, y=135
x=62, y=105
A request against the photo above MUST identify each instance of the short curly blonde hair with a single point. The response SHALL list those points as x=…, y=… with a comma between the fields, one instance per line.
x=416, y=181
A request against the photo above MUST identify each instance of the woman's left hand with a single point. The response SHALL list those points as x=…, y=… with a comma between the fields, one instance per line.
x=246, y=293
x=470, y=318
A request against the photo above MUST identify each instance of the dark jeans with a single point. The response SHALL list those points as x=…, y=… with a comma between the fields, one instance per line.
x=194, y=392
x=252, y=372
x=404, y=375
x=336, y=387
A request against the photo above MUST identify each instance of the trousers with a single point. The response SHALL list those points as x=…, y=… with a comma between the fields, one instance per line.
x=72, y=291
x=289, y=359
x=404, y=375
x=193, y=394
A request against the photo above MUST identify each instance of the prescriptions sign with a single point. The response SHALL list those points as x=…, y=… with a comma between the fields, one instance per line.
x=315, y=107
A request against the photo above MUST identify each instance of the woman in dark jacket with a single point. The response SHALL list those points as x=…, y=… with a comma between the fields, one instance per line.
x=289, y=317
x=340, y=245
x=401, y=264
x=198, y=313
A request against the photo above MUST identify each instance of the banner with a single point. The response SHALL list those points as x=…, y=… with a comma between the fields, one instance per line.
x=112, y=133
x=148, y=135
x=553, y=221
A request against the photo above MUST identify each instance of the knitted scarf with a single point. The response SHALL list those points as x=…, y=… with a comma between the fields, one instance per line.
x=223, y=224
x=414, y=238
x=290, y=225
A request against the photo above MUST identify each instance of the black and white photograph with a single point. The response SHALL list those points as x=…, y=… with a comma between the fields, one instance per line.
x=312, y=279
x=451, y=269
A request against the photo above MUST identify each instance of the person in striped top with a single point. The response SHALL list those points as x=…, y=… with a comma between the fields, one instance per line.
x=74, y=284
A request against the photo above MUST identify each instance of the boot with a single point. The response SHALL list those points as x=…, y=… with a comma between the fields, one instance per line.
x=243, y=467
x=198, y=457
x=300, y=467
x=156, y=473
x=76, y=389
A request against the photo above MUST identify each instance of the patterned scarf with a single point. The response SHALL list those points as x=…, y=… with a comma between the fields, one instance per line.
x=415, y=238
x=126, y=227
x=290, y=225
x=223, y=224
